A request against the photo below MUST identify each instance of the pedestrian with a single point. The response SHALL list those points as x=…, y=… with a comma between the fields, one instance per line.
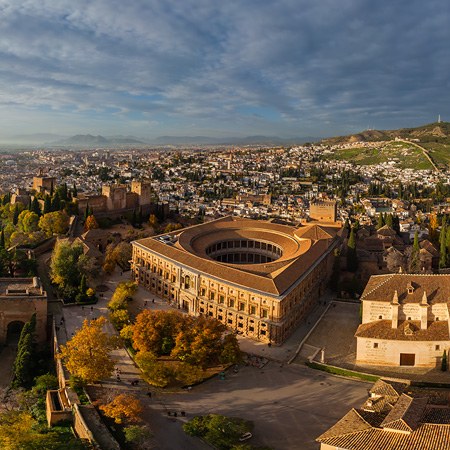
x=153, y=300
x=92, y=308
x=118, y=377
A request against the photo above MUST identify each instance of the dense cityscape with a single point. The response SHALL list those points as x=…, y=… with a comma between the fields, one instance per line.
x=224, y=225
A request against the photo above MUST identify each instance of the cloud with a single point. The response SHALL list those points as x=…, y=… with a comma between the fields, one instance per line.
x=302, y=63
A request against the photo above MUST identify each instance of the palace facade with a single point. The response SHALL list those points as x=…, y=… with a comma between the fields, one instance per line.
x=258, y=278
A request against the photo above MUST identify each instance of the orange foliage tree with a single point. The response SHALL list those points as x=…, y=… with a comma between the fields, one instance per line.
x=123, y=407
x=88, y=354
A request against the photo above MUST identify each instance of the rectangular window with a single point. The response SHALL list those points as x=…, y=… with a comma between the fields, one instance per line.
x=231, y=303
x=264, y=313
x=221, y=298
x=241, y=306
x=202, y=292
x=437, y=347
x=375, y=345
x=211, y=295
x=252, y=309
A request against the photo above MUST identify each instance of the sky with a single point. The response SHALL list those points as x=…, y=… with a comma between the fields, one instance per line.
x=287, y=68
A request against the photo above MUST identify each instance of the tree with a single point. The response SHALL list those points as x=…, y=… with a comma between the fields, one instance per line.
x=119, y=318
x=138, y=435
x=28, y=221
x=414, y=262
x=352, y=259
x=56, y=202
x=442, y=254
x=64, y=264
x=91, y=223
x=88, y=354
x=380, y=222
x=2, y=239
x=151, y=327
x=153, y=221
x=47, y=204
x=117, y=255
x=432, y=227
x=389, y=220
x=15, y=214
x=124, y=291
x=35, y=207
x=124, y=407
x=54, y=223
x=88, y=266
x=24, y=363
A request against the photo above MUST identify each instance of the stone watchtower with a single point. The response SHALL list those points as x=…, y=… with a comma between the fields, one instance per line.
x=143, y=190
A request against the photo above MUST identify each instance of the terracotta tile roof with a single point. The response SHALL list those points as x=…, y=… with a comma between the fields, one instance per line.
x=383, y=396
x=410, y=425
x=381, y=288
x=300, y=251
x=406, y=414
x=382, y=329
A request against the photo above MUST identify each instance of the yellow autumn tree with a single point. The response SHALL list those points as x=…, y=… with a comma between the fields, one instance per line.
x=432, y=227
x=88, y=354
x=91, y=223
x=123, y=407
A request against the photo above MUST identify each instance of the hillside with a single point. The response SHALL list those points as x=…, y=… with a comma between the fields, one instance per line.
x=433, y=132
x=433, y=138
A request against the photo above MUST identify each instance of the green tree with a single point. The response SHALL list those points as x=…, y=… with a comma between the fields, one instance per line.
x=380, y=222
x=24, y=364
x=28, y=221
x=64, y=269
x=15, y=214
x=414, y=262
x=35, y=207
x=56, y=222
x=47, y=204
x=56, y=202
x=352, y=259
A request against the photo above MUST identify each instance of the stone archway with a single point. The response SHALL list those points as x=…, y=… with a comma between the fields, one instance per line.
x=13, y=332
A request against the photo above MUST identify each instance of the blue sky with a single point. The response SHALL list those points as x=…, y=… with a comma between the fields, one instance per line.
x=222, y=68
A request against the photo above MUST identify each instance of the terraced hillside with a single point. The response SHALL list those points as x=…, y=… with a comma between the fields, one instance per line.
x=398, y=154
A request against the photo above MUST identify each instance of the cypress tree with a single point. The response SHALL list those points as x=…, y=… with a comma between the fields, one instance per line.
x=83, y=284
x=389, y=220
x=47, y=204
x=24, y=363
x=15, y=215
x=86, y=211
x=414, y=264
x=74, y=191
x=352, y=259
x=35, y=207
x=380, y=222
x=442, y=255
x=56, y=202
x=2, y=239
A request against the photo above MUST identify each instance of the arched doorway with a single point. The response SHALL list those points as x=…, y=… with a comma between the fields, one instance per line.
x=13, y=332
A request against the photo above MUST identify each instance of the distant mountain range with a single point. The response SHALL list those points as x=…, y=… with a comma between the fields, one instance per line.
x=433, y=132
x=90, y=141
